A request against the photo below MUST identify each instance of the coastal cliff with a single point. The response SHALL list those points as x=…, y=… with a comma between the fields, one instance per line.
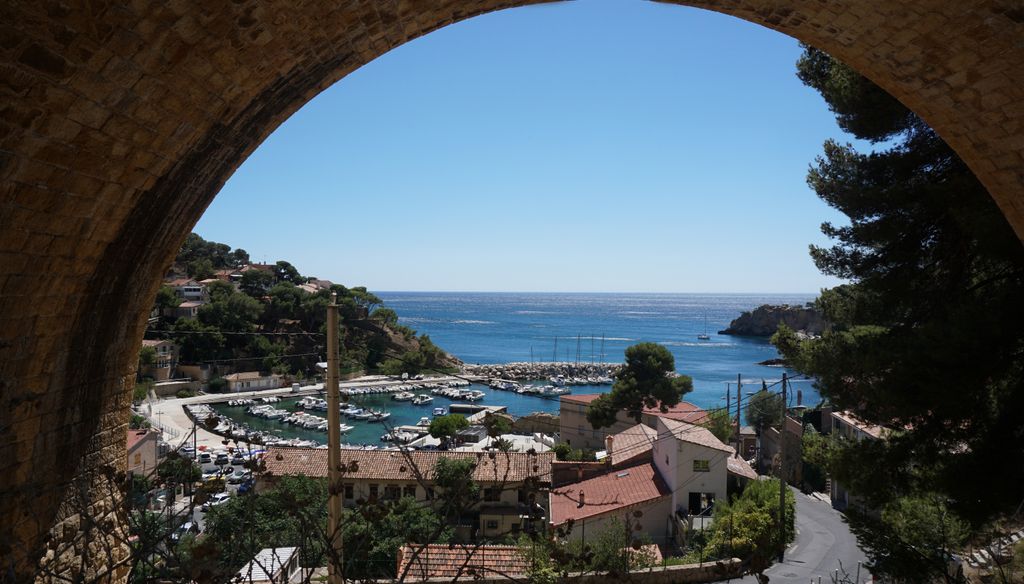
x=764, y=320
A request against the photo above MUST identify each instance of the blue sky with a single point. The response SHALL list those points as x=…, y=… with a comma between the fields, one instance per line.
x=618, y=146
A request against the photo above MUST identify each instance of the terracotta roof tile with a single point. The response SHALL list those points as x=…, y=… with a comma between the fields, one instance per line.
x=739, y=467
x=607, y=493
x=446, y=561
x=682, y=411
x=134, y=437
x=695, y=435
x=394, y=465
x=631, y=443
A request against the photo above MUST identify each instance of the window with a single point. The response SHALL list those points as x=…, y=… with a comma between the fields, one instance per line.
x=492, y=494
x=373, y=491
x=701, y=466
x=430, y=493
x=138, y=458
x=521, y=496
x=409, y=491
x=392, y=492
x=349, y=491
x=492, y=524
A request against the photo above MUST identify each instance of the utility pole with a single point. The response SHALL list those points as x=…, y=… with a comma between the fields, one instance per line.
x=739, y=384
x=782, y=474
x=334, y=566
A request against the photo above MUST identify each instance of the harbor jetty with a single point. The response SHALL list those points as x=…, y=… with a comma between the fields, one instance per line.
x=594, y=373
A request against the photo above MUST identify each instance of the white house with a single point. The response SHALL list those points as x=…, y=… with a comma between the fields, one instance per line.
x=251, y=381
x=674, y=470
x=272, y=566
x=694, y=465
x=189, y=290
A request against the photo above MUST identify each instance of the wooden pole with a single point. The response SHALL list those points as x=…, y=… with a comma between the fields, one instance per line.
x=334, y=488
x=739, y=384
x=782, y=475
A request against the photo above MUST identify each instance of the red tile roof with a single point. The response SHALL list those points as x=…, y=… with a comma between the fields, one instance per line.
x=465, y=561
x=695, y=435
x=394, y=465
x=631, y=443
x=607, y=493
x=739, y=467
x=136, y=436
x=682, y=411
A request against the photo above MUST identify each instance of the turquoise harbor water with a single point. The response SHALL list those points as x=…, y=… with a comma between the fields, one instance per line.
x=506, y=327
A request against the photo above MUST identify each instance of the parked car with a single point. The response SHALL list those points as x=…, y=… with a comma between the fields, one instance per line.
x=246, y=487
x=239, y=476
x=222, y=459
x=237, y=460
x=204, y=458
x=216, y=499
x=184, y=529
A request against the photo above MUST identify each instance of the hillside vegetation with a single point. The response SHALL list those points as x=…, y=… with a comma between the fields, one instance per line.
x=269, y=317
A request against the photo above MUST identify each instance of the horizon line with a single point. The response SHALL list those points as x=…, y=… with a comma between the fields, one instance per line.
x=597, y=292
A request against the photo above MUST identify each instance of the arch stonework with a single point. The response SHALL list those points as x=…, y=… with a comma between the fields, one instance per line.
x=119, y=123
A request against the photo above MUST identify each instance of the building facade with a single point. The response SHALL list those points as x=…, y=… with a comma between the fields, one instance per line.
x=509, y=482
x=576, y=431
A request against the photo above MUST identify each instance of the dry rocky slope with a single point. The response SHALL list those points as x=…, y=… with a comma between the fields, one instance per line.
x=764, y=320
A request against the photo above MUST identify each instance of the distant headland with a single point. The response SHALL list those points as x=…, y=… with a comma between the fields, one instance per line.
x=764, y=320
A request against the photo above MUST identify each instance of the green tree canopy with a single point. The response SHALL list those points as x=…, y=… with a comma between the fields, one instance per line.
x=456, y=489
x=721, y=425
x=446, y=428
x=197, y=341
x=764, y=410
x=200, y=269
x=256, y=282
x=285, y=272
x=166, y=298
x=219, y=290
x=373, y=536
x=147, y=356
x=644, y=382
x=927, y=336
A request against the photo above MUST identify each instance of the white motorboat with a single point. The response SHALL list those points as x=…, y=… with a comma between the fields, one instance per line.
x=422, y=400
x=440, y=411
x=403, y=396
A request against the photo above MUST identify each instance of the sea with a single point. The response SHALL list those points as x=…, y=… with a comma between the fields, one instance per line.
x=503, y=327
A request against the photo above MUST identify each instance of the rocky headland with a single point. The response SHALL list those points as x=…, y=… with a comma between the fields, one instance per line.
x=764, y=320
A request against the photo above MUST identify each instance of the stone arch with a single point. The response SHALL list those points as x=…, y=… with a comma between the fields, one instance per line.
x=119, y=124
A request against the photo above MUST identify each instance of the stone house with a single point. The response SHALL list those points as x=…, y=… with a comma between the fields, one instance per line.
x=507, y=505
x=143, y=451
x=576, y=431
x=251, y=381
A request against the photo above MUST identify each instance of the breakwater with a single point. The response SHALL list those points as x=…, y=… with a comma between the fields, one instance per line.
x=594, y=373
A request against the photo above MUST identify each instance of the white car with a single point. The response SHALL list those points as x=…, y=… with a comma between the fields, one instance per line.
x=217, y=499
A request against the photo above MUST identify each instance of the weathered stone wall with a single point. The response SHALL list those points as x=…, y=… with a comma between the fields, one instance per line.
x=119, y=122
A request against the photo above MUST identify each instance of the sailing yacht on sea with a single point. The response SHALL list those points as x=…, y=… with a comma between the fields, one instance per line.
x=704, y=337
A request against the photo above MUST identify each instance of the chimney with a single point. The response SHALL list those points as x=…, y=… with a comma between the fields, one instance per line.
x=582, y=501
x=608, y=445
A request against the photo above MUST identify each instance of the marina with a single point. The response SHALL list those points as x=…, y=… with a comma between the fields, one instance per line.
x=373, y=413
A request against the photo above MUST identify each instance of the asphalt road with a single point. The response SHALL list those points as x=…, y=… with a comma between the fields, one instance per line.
x=823, y=540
